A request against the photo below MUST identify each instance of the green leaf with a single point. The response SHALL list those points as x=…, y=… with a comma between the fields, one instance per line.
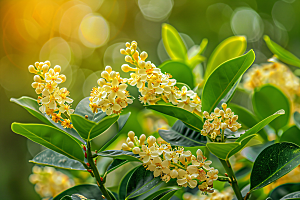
x=121, y=123
x=116, y=164
x=294, y=195
x=227, y=98
x=140, y=182
x=50, y=137
x=281, y=53
x=32, y=107
x=103, y=164
x=181, y=135
x=284, y=190
x=124, y=184
x=159, y=194
x=230, y=48
x=251, y=153
x=53, y=159
x=88, y=130
x=297, y=119
x=75, y=197
x=90, y=191
x=192, y=120
x=267, y=100
x=223, y=78
x=274, y=162
x=247, y=119
x=83, y=108
x=120, y=154
x=291, y=134
x=179, y=71
x=167, y=196
x=203, y=45
x=173, y=43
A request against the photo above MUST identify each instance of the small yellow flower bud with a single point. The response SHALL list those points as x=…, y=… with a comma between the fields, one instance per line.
x=105, y=75
x=37, y=78
x=38, y=90
x=174, y=173
x=63, y=77
x=41, y=65
x=45, y=68
x=205, y=113
x=36, y=170
x=131, y=51
x=235, y=117
x=37, y=64
x=122, y=51
x=133, y=45
x=217, y=110
x=128, y=50
x=142, y=139
x=101, y=82
x=108, y=69
x=228, y=110
x=127, y=68
x=131, y=135
x=57, y=68
x=125, y=147
x=136, y=56
x=142, y=64
x=34, y=84
x=224, y=106
x=151, y=140
x=130, y=144
x=136, y=150
x=31, y=69
x=113, y=74
x=222, y=113
x=47, y=63
x=223, y=126
x=127, y=44
x=128, y=59
x=144, y=55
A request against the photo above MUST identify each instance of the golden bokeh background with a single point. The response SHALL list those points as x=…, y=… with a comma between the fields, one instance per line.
x=83, y=36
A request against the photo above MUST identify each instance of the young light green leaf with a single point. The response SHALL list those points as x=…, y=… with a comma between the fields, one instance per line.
x=291, y=134
x=52, y=138
x=90, y=191
x=179, y=71
x=223, y=78
x=181, y=135
x=230, y=48
x=120, y=154
x=281, y=53
x=173, y=43
x=88, y=130
x=83, y=109
x=192, y=120
x=53, y=159
x=269, y=99
x=140, y=182
x=247, y=119
x=274, y=162
x=32, y=107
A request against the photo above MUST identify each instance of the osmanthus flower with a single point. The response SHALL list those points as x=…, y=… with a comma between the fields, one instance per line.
x=111, y=95
x=218, y=121
x=54, y=101
x=155, y=85
x=172, y=163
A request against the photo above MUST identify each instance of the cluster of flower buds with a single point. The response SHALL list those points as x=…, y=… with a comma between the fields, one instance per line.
x=219, y=120
x=226, y=194
x=155, y=85
x=111, y=95
x=54, y=101
x=49, y=182
x=163, y=161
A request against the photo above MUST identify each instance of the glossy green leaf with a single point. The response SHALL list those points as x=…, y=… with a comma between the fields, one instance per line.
x=230, y=48
x=124, y=184
x=291, y=134
x=116, y=164
x=281, y=53
x=225, y=150
x=227, y=98
x=284, y=189
x=269, y=99
x=261, y=125
x=179, y=71
x=140, y=182
x=181, y=135
x=88, y=130
x=294, y=195
x=32, y=107
x=167, y=196
x=251, y=153
x=90, y=191
x=192, y=120
x=53, y=159
x=274, y=162
x=159, y=194
x=173, y=43
x=83, y=108
x=247, y=119
x=121, y=123
x=50, y=137
x=75, y=197
x=223, y=78
x=296, y=117
x=120, y=154
x=103, y=164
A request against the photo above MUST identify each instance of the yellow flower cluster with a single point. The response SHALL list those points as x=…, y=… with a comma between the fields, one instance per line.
x=277, y=74
x=163, y=161
x=49, y=182
x=219, y=120
x=111, y=95
x=155, y=85
x=53, y=100
x=224, y=195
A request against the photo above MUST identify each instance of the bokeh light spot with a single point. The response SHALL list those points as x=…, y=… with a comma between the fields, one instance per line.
x=283, y=15
x=155, y=10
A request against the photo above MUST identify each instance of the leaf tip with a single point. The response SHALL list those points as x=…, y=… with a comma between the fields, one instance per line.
x=266, y=38
x=280, y=112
